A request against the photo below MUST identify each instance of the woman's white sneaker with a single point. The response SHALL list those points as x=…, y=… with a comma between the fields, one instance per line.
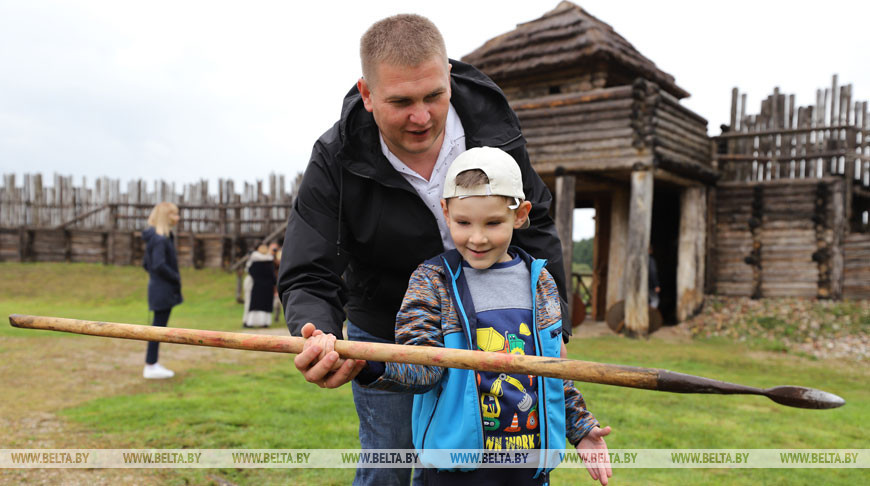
x=157, y=372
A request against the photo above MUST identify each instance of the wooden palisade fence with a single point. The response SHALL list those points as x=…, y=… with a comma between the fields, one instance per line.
x=72, y=223
x=792, y=204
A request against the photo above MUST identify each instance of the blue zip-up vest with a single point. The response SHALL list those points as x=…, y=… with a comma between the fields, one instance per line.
x=444, y=417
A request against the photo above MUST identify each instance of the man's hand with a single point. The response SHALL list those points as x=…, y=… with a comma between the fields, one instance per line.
x=320, y=364
x=593, y=450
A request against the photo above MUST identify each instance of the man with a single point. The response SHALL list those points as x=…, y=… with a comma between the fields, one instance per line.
x=369, y=208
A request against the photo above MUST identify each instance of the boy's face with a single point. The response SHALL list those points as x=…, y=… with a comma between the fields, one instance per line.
x=482, y=226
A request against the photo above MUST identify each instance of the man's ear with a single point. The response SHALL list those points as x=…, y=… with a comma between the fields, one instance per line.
x=449, y=85
x=363, y=86
x=522, y=218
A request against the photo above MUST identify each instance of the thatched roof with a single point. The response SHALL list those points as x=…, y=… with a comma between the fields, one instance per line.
x=564, y=37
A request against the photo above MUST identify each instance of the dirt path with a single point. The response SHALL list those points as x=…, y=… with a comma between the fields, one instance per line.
x=42, y=376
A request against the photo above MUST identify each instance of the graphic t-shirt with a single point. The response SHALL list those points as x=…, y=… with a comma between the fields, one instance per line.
x=502, y=298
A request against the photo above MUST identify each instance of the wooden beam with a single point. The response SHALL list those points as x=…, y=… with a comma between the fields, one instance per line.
x=560, y=100
x=565, y=189
x=618, y=236
x=712, y=237
x=637, y=254
x=600, y=162
x=691, y=255
x=839, y=225
x=734, y=94
x=682, y=164
x=600, y=257
x=668, y=176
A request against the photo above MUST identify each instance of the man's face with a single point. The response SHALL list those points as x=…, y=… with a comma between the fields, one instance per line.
x=410, y=106
x=482, y=227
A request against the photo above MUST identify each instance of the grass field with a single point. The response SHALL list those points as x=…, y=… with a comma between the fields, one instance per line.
x=88, y=392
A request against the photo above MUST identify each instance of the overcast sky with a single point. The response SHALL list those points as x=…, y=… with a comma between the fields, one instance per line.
x=183, y=90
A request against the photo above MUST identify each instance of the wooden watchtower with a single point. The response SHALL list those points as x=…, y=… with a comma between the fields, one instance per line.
x=605, y=129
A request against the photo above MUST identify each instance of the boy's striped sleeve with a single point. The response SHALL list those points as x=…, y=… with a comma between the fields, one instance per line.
x=418, y=323
x=578, y=420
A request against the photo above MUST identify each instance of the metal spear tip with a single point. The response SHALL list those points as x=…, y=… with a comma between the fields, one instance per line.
x=802, y=397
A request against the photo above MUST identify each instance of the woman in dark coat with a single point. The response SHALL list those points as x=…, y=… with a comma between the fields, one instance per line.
x=164, y=284
x=261, y=269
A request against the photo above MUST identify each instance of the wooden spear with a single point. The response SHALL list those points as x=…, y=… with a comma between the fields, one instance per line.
x=585, y=371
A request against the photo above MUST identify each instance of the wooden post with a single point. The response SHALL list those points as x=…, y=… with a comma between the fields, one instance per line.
x=637, y=252
x=110, y=235
x=222, y=215
x=565, y=192
x=106, y=241
x=36, y=209
x=734, y=96
x=849, y=172
x=601, y=254
x=618, y=236
x=711, y=266
x=839, y=226
x=134, y=241
x=237, y=234
x=192, y=249
x=754, y=258
x=67, y=244
x=22, y=244
x=690, y=256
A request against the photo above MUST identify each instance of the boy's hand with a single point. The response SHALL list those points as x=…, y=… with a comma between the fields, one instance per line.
x=320, y=364
x=593, y=450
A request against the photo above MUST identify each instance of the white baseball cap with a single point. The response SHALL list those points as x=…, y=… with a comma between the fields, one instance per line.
x=500, y=168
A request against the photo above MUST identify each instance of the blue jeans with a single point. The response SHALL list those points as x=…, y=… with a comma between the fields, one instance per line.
x=384, y=423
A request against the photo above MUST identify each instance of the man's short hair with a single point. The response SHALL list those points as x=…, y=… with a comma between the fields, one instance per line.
x=402, y=40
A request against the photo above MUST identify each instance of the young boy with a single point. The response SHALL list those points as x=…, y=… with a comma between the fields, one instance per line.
x=490, y=296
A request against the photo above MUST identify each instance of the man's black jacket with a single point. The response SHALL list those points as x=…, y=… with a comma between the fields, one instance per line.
x=356, y=216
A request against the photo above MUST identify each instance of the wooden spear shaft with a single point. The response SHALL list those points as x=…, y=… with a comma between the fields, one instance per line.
x=585, y=371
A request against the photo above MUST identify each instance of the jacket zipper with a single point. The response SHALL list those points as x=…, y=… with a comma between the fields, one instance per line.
x=467, y=328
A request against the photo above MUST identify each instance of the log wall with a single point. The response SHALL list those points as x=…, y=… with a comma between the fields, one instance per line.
x=856, y=262
x=198, y=250
x=613, y=128
x=780, y=238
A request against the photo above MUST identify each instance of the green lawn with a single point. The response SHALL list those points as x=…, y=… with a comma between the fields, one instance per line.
x=110, y=293
x=267, y=405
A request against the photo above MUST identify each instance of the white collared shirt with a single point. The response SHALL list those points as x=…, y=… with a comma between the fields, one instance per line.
x=430, y=191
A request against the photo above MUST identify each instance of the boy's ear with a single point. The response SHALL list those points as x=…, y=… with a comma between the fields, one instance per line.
x=444, y=208
x=522, y=218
